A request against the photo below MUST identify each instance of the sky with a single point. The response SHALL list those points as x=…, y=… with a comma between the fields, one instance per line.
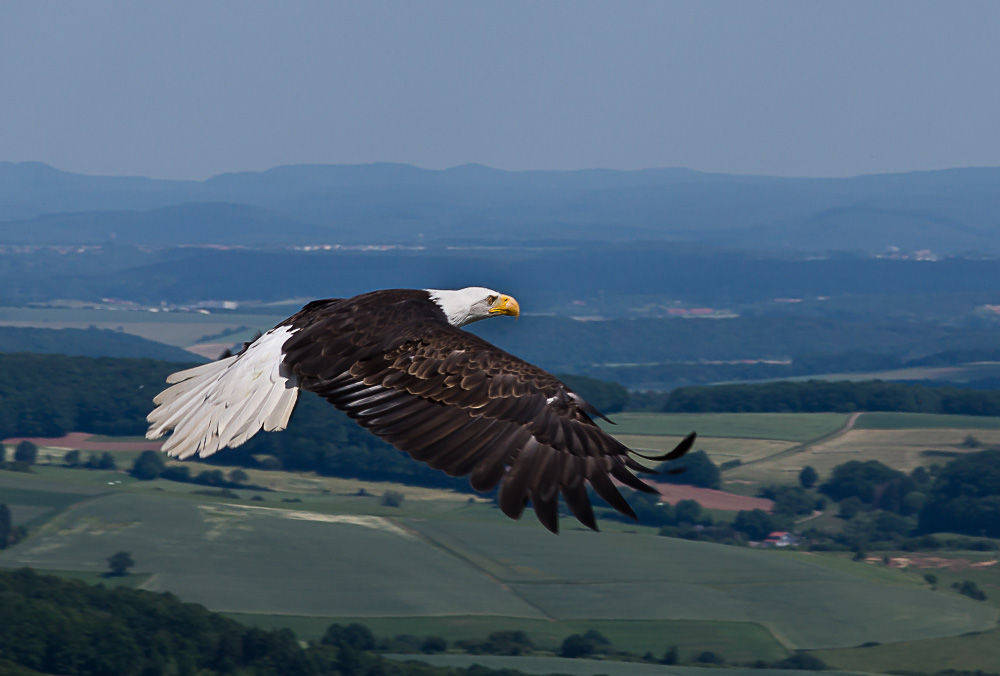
x=186, y=89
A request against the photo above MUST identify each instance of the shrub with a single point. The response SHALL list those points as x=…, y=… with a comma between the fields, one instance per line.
x=802, y=661
x=148, y=466
x=433, y=644
x=392, y=499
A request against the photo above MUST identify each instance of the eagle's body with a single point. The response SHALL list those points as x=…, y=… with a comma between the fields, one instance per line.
x=397, y=362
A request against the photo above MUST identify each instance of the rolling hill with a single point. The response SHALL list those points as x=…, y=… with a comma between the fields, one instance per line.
x=949, y=210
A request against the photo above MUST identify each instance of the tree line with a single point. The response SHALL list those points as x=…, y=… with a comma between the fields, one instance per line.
x=51, y=395
x=816, y=396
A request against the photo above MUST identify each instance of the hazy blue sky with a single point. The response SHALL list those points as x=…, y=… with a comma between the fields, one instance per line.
x=188, y=89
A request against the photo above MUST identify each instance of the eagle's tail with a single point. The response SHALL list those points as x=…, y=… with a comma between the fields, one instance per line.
x=226, y=402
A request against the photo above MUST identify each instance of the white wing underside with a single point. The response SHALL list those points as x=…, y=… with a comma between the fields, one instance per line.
x=224, y=403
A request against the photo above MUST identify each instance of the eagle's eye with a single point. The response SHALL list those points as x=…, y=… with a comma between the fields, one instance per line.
x=491, y=299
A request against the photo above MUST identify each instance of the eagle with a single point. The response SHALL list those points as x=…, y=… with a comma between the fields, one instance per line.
x=398, y=363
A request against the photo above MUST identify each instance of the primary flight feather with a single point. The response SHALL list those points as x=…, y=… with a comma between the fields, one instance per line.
x=398, y=363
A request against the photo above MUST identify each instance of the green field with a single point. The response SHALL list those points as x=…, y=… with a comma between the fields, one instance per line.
x=32, y=500
x=557, y=665
x=328, y=565
x=962, y=653
x=313, y=552
x=780, y=426
x=900, y=421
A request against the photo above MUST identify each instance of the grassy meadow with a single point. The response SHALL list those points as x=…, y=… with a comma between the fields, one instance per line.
x=313, y=550
x=776, y=426
x=976, y=650
x=245, y=558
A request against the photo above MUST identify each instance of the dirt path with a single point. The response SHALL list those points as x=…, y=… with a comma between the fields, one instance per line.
x=798, y=448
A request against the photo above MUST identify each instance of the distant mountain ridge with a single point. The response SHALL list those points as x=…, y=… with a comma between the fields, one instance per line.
x=951, y=210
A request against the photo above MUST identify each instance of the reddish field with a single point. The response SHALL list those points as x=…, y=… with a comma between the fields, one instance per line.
x=711, y=499
x=79, y=441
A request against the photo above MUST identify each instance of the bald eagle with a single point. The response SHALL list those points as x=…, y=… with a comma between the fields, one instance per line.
x=398, y=363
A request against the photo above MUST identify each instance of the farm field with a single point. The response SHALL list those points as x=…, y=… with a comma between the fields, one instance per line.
x=468, y=571
x=958, y=373
x=719, y=449
x=181, y=329
x=902, y=449
x=905, y=421
x=265, y=560
x=664, y=578
x=348, y=565
x=980, y=650
x=775, y=426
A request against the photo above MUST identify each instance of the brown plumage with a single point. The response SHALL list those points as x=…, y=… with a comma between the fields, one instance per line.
x=397, y=363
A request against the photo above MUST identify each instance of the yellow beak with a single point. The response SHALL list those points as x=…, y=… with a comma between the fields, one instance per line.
x=505, y=305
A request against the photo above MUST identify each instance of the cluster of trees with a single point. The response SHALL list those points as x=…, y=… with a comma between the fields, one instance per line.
x=25, y=455
x=53, y=625
x=883, y=507
x=872, y=485
x=150, y=465
x=970, y=589
x=49, y=395
x=56, y=626
x=587, y=644
x=822, y=396
x=606, y=397
x=884, y=504
x=104, y=461
x=965, y=497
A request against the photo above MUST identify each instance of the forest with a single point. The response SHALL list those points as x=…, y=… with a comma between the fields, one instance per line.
x=831, y=396
x=50, y=625
x=51, y=395
x=90, y=342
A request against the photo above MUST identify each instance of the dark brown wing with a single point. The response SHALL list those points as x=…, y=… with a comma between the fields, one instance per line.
x=462, y=405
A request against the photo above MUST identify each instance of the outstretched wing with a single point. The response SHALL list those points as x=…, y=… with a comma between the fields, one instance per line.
x=462, y=405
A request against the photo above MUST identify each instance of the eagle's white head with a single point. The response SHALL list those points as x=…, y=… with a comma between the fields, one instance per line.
x=464, y=306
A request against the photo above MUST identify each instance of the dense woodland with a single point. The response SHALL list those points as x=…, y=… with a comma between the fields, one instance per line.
x=49, y=625
x=844, y=396
x=91, y=342
x=51, y=395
